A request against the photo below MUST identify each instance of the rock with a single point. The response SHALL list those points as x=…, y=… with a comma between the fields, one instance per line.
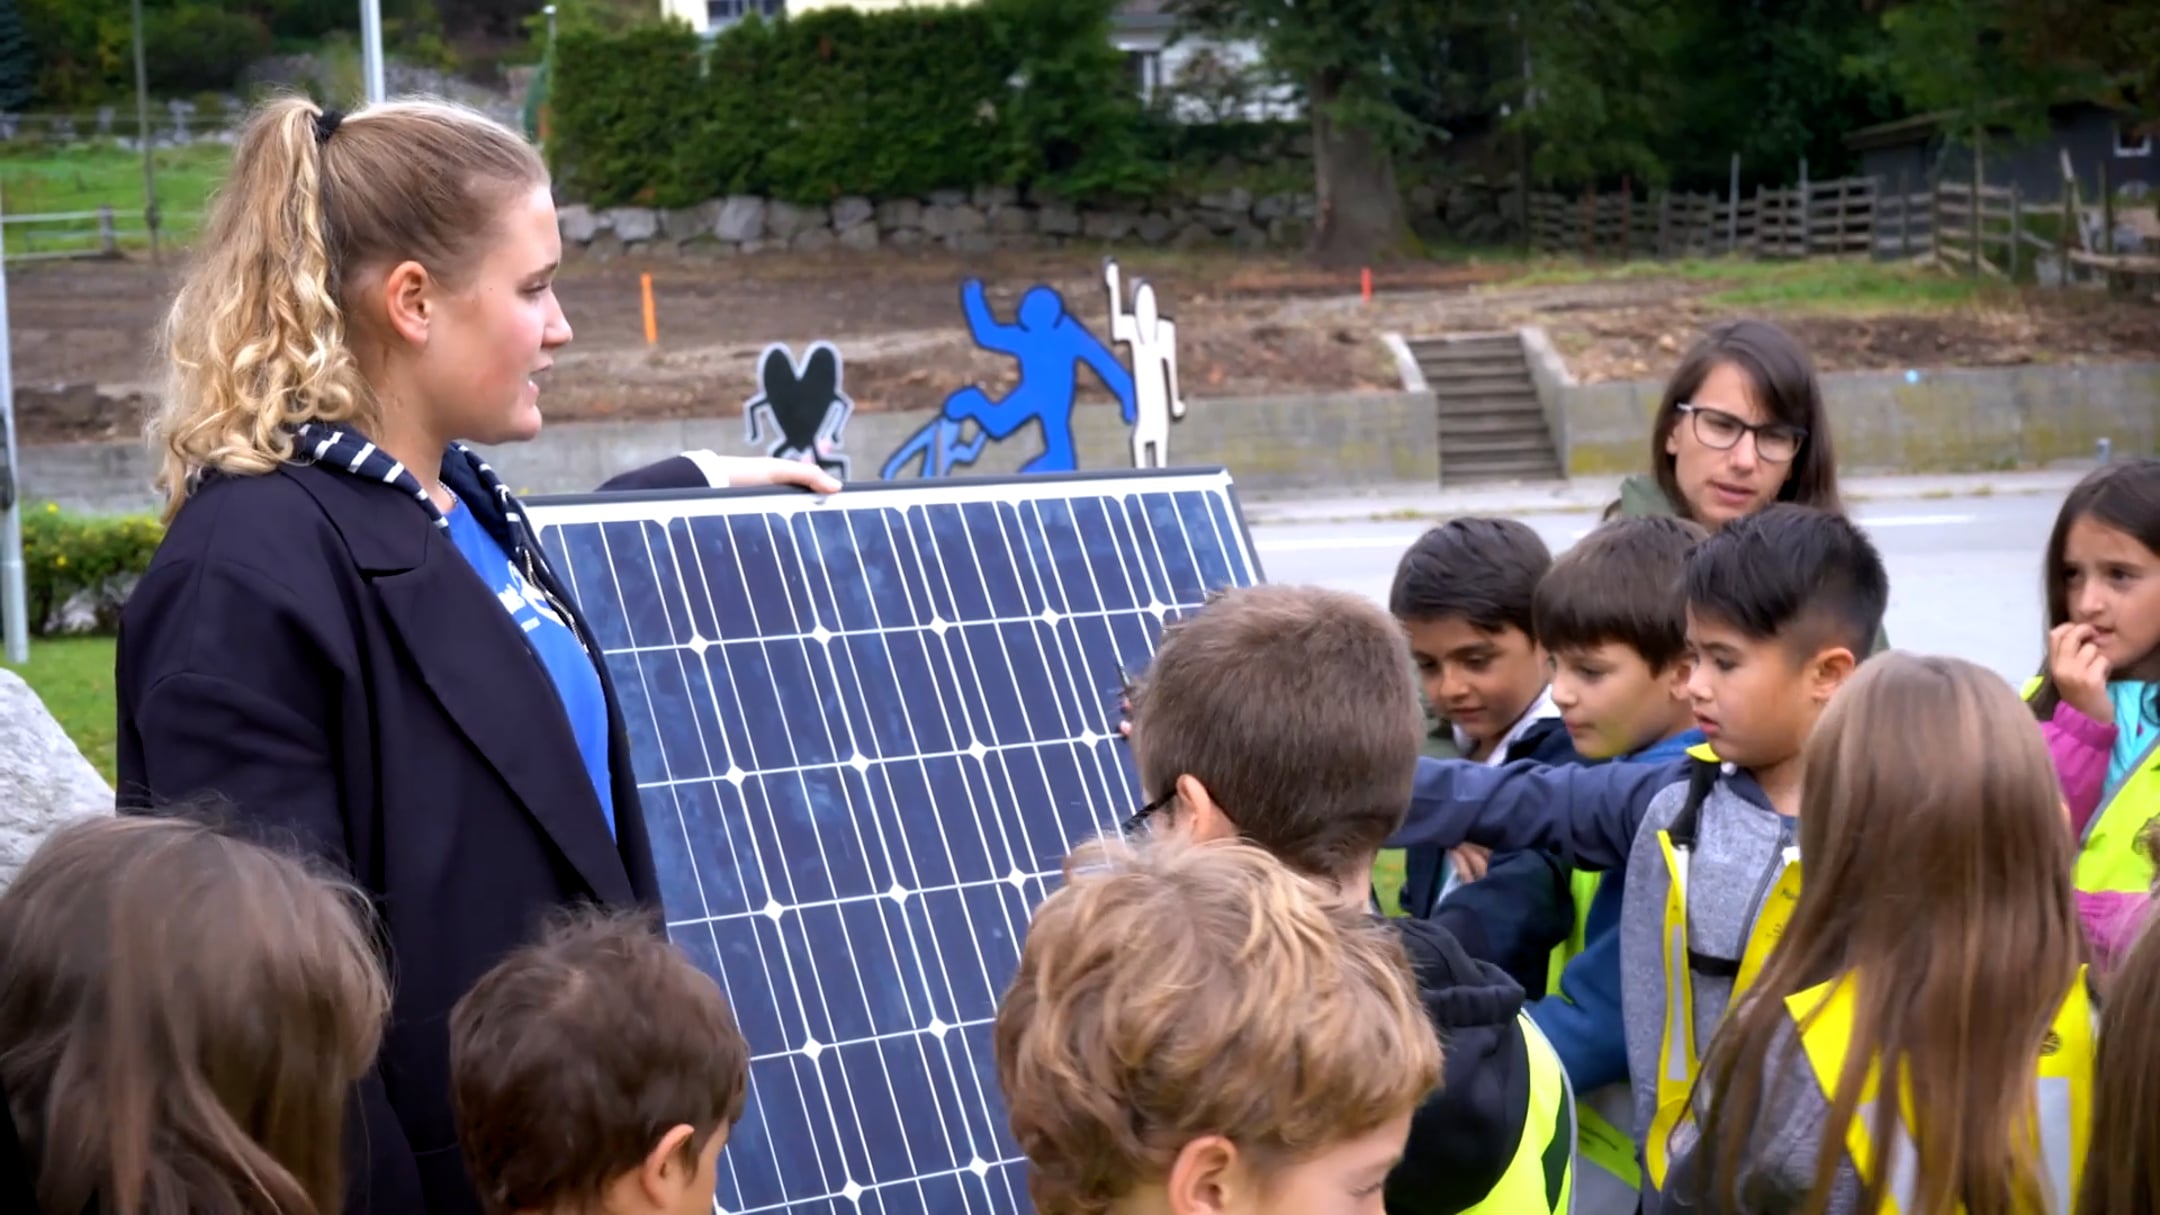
x=1245, y=236
x=578, y=223
x=990, y=197
x=741, y=218
x=813, y=240
x=1156, y=228
x=898, y=214
x=1193, y=236
x=1109, y=225
x=1057, y=219
x=683, y=224
x=1271, y=207
x=634, y=224
x=850, y=212
x=783, y=220
x=1222, y=222
x=45, y=782
x=948, y=198
x=861, y=238
x=1012, y=221
x=1236, y=200
x=940, y=221
x=905, y=238
x=1423, y=199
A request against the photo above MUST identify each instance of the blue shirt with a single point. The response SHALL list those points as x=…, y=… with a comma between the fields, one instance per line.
x=2135, y=730
x=576, y=680
x=1582, y=1020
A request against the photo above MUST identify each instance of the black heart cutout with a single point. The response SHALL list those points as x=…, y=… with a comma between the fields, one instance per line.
x=800, y=400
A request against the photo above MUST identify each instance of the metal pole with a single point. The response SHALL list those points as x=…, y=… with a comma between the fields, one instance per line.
x=14, y=586
x=142, y=128
x=371, y=62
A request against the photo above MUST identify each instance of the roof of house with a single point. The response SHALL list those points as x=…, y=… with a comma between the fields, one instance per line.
x=1144, y=15
x=1922, y=127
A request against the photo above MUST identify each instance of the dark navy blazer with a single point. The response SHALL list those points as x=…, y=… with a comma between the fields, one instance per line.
x=309, y=647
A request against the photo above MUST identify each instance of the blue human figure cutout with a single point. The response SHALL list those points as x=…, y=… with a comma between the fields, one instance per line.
x=1051, y=345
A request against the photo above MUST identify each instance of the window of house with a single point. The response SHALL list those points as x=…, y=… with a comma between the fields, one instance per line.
x=1145, y=69
x=2132, y=142
x=722, y=13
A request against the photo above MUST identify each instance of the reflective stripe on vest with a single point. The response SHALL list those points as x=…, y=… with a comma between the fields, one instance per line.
x=1541, y=1177
x=2108, y=858
x=2062, y=1092
x=1679, y=1055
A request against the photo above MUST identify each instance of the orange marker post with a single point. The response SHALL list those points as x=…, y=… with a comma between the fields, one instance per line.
x=652, y=326
x=1365, y=283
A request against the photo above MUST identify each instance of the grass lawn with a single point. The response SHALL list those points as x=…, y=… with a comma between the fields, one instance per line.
x=1818, y=285
x=74, y=677
x=50, y=181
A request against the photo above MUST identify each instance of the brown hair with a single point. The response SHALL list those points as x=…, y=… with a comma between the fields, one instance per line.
x=1783, y=377
x=2122, y=1161
x=1624, y=582
x=2124, y=495
x=1960, y=963
x=1175, y=990
x=1298, y=710
x=184, y=1016
x=257, y=336
x=574, y=1056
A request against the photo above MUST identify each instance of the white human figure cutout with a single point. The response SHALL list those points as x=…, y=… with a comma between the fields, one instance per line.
x=1152, y=338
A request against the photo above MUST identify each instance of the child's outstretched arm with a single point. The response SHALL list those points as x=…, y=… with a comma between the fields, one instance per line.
x=1586, y=814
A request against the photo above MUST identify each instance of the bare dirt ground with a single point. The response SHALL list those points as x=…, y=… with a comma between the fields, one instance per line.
x=1249, y=325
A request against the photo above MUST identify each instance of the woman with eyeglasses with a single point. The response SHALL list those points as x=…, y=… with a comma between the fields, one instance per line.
x=1741, y=426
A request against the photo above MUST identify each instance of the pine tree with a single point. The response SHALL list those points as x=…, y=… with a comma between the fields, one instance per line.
x=18, y=60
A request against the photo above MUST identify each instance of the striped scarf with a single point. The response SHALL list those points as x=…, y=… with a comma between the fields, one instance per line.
x=336, y=447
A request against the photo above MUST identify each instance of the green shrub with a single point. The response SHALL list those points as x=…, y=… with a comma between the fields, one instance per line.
x=889, y=104
x=66, y=554
x=201, y=46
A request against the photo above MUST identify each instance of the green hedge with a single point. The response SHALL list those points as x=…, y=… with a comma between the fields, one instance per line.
x=65, y=553
x=835, y=102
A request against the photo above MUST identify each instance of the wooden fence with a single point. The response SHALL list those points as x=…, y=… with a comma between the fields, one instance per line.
x=1813, y=219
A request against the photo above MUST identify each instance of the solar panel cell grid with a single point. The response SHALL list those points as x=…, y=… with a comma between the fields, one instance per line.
x=866, y=732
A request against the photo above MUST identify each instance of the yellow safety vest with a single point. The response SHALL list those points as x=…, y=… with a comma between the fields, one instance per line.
x=1679, y=1057
x=2108, y=857
x=1541, y=1176
x=2063, y=1091
x=1600, y=1143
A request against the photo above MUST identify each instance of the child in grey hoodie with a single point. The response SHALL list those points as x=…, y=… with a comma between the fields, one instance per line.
x=1782, y=605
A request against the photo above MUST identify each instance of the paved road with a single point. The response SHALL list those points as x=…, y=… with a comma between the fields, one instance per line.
x=1964, y=572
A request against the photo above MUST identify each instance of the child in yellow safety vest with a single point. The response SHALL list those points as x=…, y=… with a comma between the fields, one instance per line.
x=1781, y=605
x=1922, y=1039
x=2097, y=698
x=2122, y=1171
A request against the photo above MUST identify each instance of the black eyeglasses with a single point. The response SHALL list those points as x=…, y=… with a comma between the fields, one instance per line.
x=1776, y=442
x=1139, y=818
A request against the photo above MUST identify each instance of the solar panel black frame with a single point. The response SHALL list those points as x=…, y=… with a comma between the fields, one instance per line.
x=779, y=915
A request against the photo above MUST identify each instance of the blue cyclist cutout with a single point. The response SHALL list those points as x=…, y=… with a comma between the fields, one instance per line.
x=1050, y=345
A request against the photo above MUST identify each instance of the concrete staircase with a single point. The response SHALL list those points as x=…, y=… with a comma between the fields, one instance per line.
x=1491, y=425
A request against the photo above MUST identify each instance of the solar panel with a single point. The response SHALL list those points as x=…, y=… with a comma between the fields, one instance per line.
x=866, y=730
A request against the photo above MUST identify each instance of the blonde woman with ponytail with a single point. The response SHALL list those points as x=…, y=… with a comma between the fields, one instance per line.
x=349, y=631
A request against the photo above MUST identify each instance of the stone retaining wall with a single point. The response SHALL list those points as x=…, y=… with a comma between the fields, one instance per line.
x=977, y=221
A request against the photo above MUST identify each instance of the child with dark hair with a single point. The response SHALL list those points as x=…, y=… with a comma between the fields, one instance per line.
x=596, y=1072
x=1781, y=605
x=1613, y=616
x=1463, y=595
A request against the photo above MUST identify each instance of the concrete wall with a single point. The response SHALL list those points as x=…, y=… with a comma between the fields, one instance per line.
x=1275, y=443
x=1963, y=420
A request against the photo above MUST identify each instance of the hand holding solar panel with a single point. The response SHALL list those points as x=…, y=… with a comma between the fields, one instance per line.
x=867, y=729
